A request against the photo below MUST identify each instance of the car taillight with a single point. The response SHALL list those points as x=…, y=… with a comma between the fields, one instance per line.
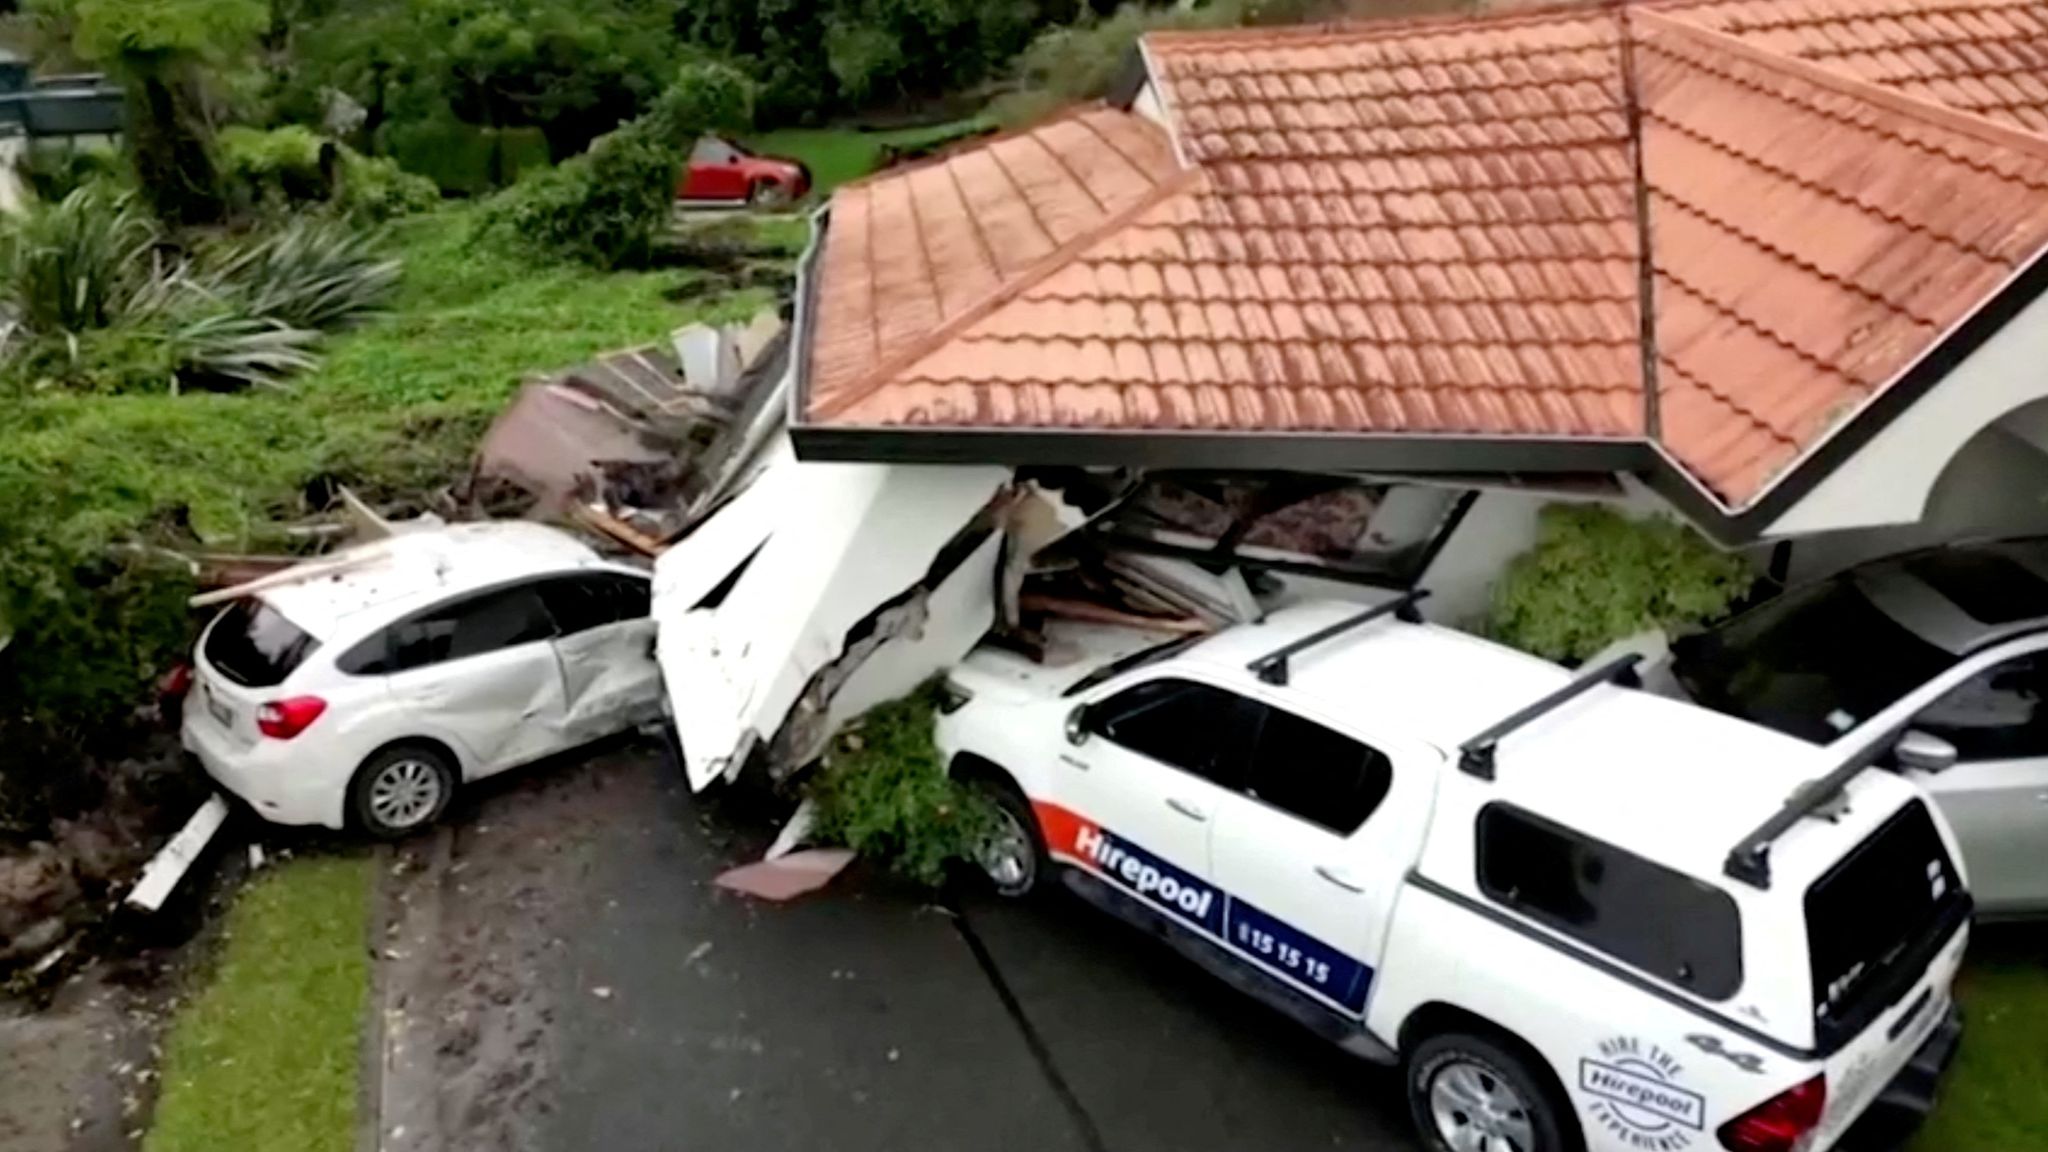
x=1781, y=1124
x=284, y=719
x=176, y=682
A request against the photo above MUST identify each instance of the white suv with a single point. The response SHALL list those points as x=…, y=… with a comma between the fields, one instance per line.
x=1581, y=916
x=362, y=688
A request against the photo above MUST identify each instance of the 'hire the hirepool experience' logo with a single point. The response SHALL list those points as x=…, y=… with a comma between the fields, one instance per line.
x=1637, y=1096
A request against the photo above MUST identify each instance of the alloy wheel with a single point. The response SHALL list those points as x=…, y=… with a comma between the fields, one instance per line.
x=404, y=793
x=1007, y=855
x=1477, y=1111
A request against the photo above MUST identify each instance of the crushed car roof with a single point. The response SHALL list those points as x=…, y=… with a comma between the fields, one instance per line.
x=422, y=564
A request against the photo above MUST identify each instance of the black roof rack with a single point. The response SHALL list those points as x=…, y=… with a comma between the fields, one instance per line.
x=1272, y=667
x=1750, y=860
x=1475, y=756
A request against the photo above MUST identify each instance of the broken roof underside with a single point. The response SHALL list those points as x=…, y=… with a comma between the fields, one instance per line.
x=1718, y=229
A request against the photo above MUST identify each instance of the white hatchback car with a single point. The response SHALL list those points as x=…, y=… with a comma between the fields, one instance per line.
x=363, y=693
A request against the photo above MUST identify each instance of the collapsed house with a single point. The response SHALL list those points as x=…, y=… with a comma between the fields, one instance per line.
x=1346, y=306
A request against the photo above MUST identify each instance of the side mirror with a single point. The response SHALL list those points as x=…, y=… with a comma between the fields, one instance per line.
x=1924, y=752
x=1077, y=725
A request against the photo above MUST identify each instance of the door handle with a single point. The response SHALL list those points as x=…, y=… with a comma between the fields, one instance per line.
x=1338, y=878
x=1186, y=809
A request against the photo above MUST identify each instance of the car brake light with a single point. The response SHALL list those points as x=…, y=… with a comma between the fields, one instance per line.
x=1781, y=1124
x=284, y=719
x=176, y=682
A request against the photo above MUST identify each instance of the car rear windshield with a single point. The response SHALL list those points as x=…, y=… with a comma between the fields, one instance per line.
x=1876, y=918
x=255, y=646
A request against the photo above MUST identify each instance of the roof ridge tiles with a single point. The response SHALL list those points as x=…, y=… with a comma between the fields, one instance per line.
x=1953, y=119
x=1859, y=203
x=1793, y=258
x=1728, y=312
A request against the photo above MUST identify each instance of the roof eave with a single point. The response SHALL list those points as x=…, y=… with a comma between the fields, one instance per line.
x=1231, y=449
x=1747, y=522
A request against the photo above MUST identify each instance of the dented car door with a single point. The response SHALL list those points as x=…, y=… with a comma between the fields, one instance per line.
x=605, y=646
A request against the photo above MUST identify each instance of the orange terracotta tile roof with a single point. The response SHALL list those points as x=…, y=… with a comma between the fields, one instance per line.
x=1610, y=226
x=913, y=251
x=1984, y=56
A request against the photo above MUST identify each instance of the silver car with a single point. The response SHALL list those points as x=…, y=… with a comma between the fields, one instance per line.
x=1944, y=651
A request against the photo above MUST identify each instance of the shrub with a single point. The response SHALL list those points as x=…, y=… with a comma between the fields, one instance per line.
x=277, y=168
x=1081, y=61
x=372, y=189
x=56, y=172
x=1596, y=576
x=464, y=158
x=609, y=206
x=883, y=792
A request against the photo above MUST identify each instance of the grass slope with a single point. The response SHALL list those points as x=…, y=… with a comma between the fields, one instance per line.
x=398, y=405
x=837, y=155
x=266, y=1057
x=1996, y=1097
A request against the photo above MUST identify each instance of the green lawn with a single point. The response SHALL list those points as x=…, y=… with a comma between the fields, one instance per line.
x=266, y=1058
x=836, y=155
x=1996, y=1098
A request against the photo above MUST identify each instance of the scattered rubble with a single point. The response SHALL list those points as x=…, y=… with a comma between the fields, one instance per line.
x=615, y=444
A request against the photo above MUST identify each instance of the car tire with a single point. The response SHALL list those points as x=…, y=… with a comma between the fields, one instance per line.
x=767, y=194
x=1457, y=1080
x=401, y=789
x=1014, y=863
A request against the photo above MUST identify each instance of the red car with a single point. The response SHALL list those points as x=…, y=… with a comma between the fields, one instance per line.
x=721, y=170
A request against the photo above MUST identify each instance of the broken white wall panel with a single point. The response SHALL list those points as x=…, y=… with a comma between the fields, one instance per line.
x=845, y=539
x=161, y=875
x=957, y=614
x=702, y=559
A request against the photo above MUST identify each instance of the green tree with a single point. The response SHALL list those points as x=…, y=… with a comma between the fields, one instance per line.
x=161, y=50
x=573, y=70
x=610, y=205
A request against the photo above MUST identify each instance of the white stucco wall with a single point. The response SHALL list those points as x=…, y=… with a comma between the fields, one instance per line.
x=1500, y=526
x=1997, y=485
x=1890, y=480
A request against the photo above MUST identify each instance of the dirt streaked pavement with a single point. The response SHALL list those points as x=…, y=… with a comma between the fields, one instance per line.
x=594, y=991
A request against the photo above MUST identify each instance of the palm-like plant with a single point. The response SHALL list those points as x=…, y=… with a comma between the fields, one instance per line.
x=76, y=265
x=96, y=297
x=313, y=273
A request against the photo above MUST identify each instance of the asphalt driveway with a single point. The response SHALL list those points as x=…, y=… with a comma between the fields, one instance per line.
x=592, y=990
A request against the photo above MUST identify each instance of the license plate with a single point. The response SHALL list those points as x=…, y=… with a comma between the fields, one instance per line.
x=221, y=713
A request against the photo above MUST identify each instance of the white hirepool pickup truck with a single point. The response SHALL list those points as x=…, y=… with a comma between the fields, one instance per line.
x=1579, y=916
